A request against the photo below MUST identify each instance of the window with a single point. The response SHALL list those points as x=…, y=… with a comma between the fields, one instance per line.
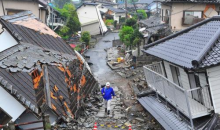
x=192, y=17
x=13, y=11
x=5, y=118
x=196, y=14
x=197, y=80
x=176, y=75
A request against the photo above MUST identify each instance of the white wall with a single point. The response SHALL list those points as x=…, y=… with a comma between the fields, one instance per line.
x=6, y=41
x=10, y=105
x=214, y=82
x=88, y=14
x=116, y=16
x=93, y=29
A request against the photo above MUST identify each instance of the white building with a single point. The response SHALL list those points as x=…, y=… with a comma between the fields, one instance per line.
x=187, y=80
x=90, y=19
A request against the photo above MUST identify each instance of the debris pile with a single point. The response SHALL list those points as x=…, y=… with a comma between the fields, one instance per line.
x=117, y=59
x=120, y=118
x=136, y=76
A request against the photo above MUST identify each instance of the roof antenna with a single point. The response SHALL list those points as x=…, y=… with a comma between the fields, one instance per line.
x=3, y=8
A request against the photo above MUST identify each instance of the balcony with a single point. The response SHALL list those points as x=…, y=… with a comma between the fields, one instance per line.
x=191, y=20
x=177, y=96
x=56, y=22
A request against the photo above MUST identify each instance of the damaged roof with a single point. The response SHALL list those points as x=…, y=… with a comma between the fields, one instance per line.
x=25, y=27
x=195, y=47
x=18, y=62
x=153, y=24
x=22, y=66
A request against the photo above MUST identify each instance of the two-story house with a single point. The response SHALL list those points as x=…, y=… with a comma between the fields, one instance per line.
x=38, y=7
x=90, y=19
x=180, y=14
x=187, y=80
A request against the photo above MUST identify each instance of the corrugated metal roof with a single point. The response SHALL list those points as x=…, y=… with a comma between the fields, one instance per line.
x=188, y=47
x=165, y=117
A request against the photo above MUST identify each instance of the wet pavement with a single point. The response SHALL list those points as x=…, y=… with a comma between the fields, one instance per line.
x=103, y=74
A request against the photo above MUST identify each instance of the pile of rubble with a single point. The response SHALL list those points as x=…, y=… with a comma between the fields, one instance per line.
x=136, y=77
x=112, y=58
x=120, y=116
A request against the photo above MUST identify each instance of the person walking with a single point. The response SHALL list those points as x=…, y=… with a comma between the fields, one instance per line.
x=107, y=93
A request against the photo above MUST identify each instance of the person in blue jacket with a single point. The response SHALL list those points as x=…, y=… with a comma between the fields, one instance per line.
x=107, y=93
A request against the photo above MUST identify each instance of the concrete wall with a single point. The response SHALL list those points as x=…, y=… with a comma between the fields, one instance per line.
x=177, y=13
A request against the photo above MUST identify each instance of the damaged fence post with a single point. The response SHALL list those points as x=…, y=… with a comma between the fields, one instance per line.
x=46, y=122
x=11, y=125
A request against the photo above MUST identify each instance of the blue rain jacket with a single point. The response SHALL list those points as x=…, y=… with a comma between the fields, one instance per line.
x=109, y=92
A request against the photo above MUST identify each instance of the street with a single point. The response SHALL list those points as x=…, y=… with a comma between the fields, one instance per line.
x=103, y=74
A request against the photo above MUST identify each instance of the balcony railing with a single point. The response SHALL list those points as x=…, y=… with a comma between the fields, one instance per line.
x=183, y=100
x=57, y=21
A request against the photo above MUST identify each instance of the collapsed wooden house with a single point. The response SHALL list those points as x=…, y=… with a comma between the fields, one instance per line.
x=39, y=72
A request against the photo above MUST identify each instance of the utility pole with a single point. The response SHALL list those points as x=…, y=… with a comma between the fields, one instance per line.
x=126, y=9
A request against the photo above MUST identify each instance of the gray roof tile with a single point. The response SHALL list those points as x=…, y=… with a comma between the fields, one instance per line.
x=188, y=45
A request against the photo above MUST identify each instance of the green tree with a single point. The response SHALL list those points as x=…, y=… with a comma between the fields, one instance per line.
x=126, y=36
x=132, y=22
x=60, y=3
x=72, y=25
x=141, y=14
x=86, y=37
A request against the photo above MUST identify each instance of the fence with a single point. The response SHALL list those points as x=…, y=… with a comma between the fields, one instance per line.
x=183, y=100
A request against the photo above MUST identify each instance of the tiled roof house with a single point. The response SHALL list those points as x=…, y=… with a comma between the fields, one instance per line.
x=188, y=76
x=39, y=71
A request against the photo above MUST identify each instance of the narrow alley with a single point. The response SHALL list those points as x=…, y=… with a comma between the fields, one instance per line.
x=125, y=108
